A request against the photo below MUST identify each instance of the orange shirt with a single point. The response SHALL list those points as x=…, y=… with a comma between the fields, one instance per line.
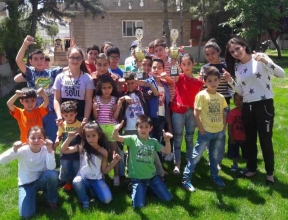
x=26, y=119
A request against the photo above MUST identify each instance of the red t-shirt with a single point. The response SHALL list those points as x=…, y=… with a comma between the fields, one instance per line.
x=186, y=88
x=90, y=67
x=235, y=120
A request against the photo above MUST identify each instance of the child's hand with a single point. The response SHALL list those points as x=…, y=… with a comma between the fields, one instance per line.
x=72, y=134
x=128, y=99
x=29, y=40
x=163, y=75
x=95, y=105
x=116, y=156
x=147, y=84
x=17, y=145
x=40, y=92
x=259, y=57
x=49, y=145
x=59, y=122
x=167, y=135
x=202, y=131
x=19, y=93
x=118, y=126
x=84, y=122
x=227, y=76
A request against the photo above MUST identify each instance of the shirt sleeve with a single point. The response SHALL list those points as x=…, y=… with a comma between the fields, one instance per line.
x=273, y=68
x=129, y=140
x=58, y=84
x=43, y=111
x=225, y=105
x=56, y=71
x=50, y=161
x=158, y=146
x=16, y=114
x=198, y=102
x=8, y=156
x=89, y=82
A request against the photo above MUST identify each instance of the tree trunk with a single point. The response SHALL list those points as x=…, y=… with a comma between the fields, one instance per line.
x=274, y=35
x=34, y=18
x=200, y=40
x=166, y=23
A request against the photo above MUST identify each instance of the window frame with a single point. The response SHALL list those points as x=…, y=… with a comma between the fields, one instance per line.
x=133, y=21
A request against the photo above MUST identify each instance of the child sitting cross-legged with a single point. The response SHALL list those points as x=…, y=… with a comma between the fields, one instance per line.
x=93, y=163
x=141, y=166
x=69, y=163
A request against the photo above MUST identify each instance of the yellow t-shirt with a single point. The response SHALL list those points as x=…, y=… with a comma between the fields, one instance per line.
x=211, y=107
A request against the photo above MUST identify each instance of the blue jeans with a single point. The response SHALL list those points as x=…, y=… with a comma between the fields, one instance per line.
x=68, y=169
x=47, y=182
x=98, y=187
x=214, y=141
x=179, y=121
x=49, y=125
x=139, y=188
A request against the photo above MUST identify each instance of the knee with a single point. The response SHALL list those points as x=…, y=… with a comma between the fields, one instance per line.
x=52, y=175
x=77, y=180
x=107, y=200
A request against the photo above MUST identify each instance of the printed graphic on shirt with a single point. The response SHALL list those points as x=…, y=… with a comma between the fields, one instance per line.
x=72, y=87
x=135, y=108
x=161, y=97
x=214, y=111
x=45, y=83
x=145, y=154
x=238, y=126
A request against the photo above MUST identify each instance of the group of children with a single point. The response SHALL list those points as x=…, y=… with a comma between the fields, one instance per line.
x=142, y=110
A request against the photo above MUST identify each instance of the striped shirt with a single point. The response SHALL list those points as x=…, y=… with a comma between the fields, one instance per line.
x=105, y=111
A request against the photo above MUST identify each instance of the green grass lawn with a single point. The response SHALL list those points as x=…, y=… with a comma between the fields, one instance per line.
x=241, y=199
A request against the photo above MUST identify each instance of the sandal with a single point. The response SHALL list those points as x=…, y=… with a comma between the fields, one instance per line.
x=244, y=174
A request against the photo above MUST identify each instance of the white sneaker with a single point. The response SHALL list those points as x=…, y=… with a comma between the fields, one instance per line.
x=176, y=170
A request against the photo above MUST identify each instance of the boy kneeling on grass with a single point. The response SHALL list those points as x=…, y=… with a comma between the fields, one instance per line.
x=141, y=160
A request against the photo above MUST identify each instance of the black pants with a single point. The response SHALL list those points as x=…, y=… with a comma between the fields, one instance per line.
x=258, y=117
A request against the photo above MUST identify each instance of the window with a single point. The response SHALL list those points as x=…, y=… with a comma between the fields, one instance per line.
x=129, y=27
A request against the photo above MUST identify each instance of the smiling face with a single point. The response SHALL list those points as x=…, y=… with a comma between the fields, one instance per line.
x=38, y=62
x=237, y=51
x=75, y=58
x=36, y=140
x=212, y=55
x=144, y=129
x=102, y=65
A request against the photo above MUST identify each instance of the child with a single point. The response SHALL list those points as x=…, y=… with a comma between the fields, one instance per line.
x=211, y=121
x=182, y=106
x=92, y=53
x=69, y=163
x=36, y=164
x=104, y=104
x=38, y=77
x=113, y=53
x=141, y=160
x=236, y=132
x=146, y=65
x=93, y=163
x=30, y=115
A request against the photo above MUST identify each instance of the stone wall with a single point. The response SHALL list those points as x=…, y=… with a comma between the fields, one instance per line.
x=6, y=79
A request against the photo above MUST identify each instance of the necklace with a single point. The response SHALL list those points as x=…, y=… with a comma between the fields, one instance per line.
x=72, y=79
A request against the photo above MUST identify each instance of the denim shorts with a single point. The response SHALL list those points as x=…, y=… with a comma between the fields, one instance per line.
x=108, y=130
x=233, y=150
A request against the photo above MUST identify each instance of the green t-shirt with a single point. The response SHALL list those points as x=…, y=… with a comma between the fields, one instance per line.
x=141, y=156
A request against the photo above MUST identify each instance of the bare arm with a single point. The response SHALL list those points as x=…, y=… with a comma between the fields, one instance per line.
x=42, y=93
x=88, y=102
x=115, y=134
x=19, y=78
x=105, y=168
x=57, y=101
x=95, y=109
x=167, y=136
x=12, y=100
x=198, y=121
x=65, y=148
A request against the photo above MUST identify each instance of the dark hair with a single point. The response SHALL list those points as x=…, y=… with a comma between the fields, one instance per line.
x=235, y=93
x=210, y=71
x=47, y=59
x=102, y=48
x=159, y=42
x=102, y=56
x=106, y=79
x=212, y=44
x=102, y=140
x=189, y=56
x=159, y=61
x=68, y=106
x=37, y=51
x=112, y=50
x=143, y=119
x=129, y=75
x=36, y=128
x=93, y=47
x=83, y=65
x=229, y=59
x=151, y=44
x=29, y=93
x=150, y=59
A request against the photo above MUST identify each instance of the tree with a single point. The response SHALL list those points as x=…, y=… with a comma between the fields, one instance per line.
x=52, y=30
x=258, y=17
x=201, y=10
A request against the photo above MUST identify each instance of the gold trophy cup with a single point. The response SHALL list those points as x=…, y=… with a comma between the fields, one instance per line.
x=139, y=53
x=174, y=51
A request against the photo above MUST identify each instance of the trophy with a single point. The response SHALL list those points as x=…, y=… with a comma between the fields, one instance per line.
x=174, y=51
x=139, y=54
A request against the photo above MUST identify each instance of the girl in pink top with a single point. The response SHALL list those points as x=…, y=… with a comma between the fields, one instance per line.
x=104, y=106
x=182, y=106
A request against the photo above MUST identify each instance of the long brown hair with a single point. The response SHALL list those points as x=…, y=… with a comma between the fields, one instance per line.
x=83, y=67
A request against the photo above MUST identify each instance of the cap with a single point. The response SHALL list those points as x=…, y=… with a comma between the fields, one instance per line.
x=134, y=43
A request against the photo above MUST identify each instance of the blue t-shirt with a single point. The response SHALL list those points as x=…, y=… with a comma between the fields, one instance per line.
x=117, y=71
x=42, y=79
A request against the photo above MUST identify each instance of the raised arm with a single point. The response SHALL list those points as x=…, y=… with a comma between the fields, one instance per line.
x=115, y=134
x=42, y=93
x=105, y=168
x=65, y=148
x=19, y=78
x=21, y=53
x=12, y=100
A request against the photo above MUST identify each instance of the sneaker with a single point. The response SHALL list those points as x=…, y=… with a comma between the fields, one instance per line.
x=234, y=167
x=85, y=205
x=116, y=180
x=188, y=186
x=217, y=180
x=176, y=170
x=219, y=166
x=67, y=187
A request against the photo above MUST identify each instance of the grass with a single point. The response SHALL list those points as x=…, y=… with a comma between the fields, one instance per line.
x=241, y=199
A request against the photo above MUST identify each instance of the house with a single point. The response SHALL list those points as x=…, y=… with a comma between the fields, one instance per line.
x=119, y=23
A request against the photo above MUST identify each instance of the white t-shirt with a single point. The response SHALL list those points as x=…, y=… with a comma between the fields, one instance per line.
x=161, y=107
x=73, y=88
x=30, y=165
x=133, y=111
x=91, y=170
